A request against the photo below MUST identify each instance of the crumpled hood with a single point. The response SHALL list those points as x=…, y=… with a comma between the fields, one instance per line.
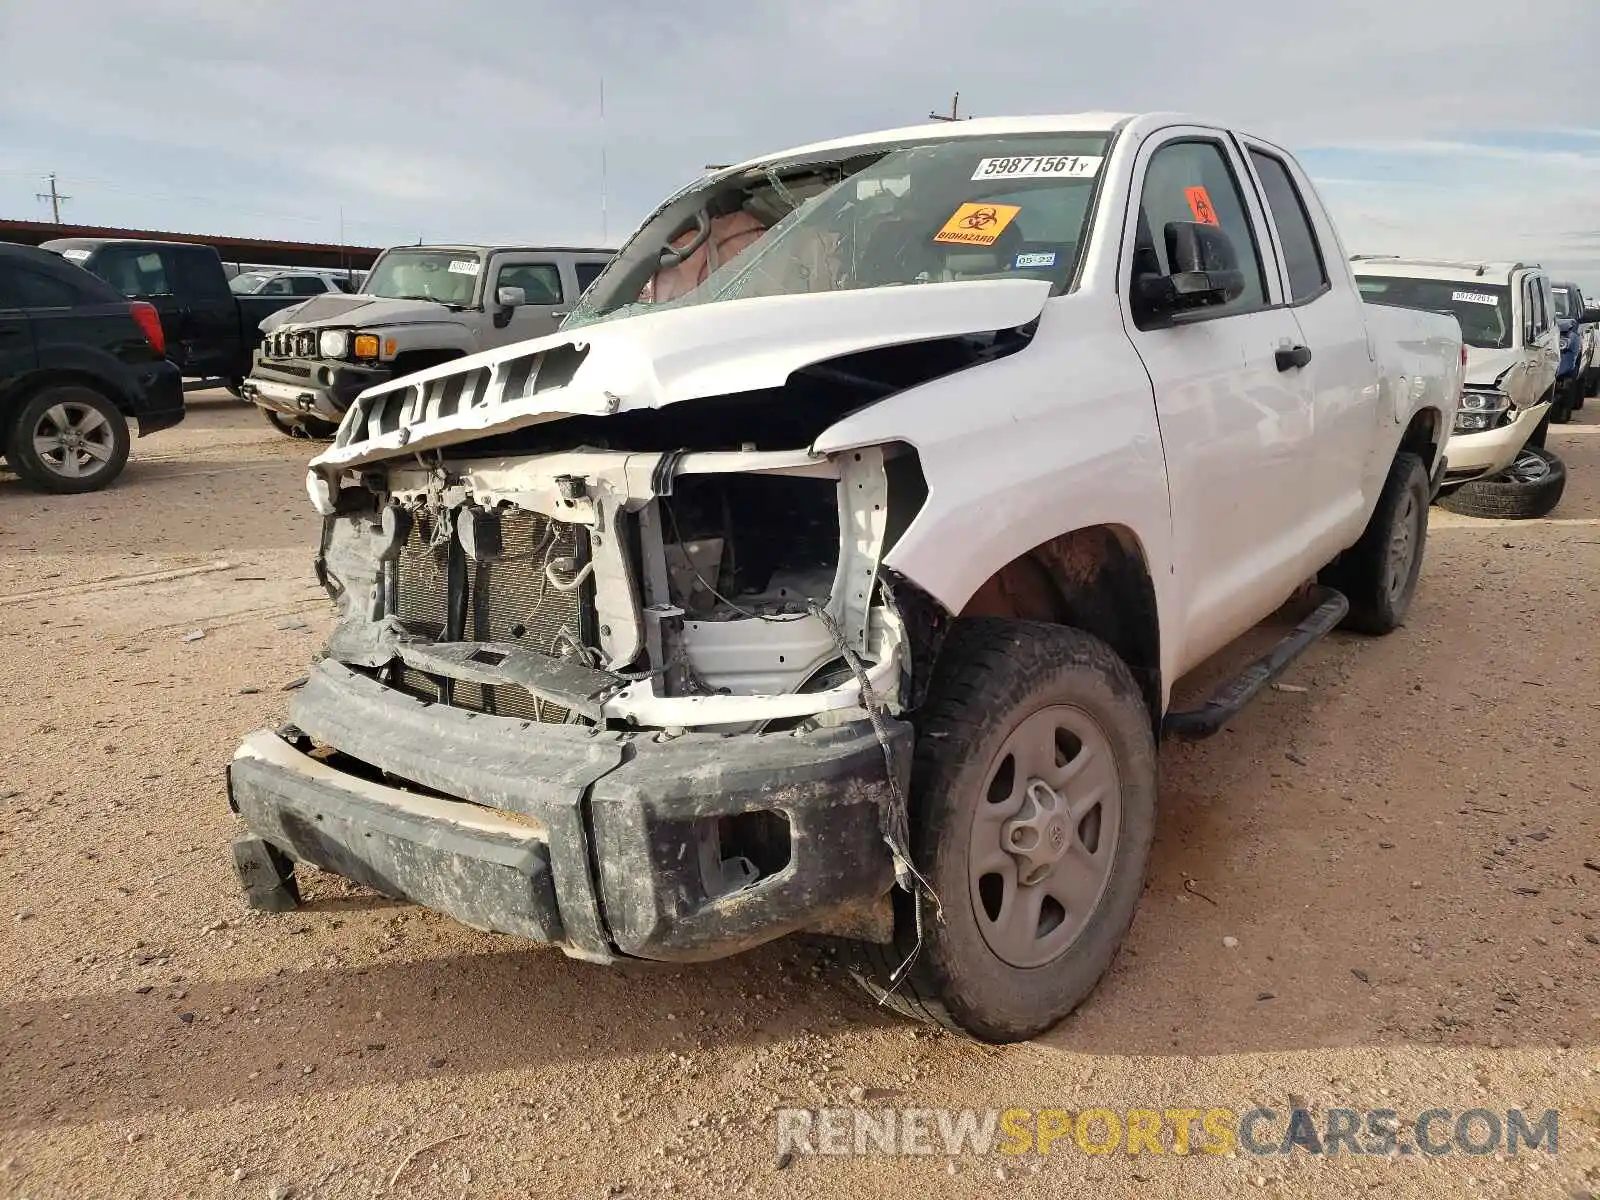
x=1484, y=367
x=656, y=359
x=342, y=312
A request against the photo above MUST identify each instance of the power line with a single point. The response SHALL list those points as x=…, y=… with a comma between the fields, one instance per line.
x=54, y=197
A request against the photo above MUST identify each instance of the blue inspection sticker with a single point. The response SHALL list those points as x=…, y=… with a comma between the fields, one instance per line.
x=1035, y=258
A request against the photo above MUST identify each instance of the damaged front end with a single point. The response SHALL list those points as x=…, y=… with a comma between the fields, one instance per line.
x=637, y=703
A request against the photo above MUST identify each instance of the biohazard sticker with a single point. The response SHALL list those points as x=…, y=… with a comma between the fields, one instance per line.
x=977, y=224
x=1200, y=205
x=465, y=266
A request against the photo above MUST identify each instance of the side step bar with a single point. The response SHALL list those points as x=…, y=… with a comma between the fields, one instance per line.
x=1227, y=701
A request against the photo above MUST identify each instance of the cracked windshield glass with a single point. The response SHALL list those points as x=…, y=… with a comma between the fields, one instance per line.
x=947, y=211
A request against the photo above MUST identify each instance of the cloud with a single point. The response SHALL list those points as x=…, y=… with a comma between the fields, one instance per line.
x=483, y=120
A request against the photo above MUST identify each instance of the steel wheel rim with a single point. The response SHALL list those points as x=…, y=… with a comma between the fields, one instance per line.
x=1528, y=467
x=1044, y=836
x=72, y=439
x=1403, y=541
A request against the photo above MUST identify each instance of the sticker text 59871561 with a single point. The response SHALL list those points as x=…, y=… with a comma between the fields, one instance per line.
x=1039, y=166
x=465, y=266
x=978, y=224
x=1474, y=297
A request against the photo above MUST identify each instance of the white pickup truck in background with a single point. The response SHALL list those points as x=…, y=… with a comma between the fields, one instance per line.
x=832, y=567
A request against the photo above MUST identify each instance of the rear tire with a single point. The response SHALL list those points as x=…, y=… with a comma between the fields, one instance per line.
x=307, y=428
x=1378, y=575
x=1563, y=403
x=1014, y=704
x=68, y=439
x=1530, y=487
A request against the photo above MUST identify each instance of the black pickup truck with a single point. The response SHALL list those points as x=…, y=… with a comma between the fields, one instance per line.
x=211, y=332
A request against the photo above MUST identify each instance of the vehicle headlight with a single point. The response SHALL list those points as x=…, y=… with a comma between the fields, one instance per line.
x=335, y=343
x=1481, y=409
x=1485, y=400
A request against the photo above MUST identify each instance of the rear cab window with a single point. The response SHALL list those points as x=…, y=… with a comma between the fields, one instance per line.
x=134, y=270
x=1302, y=254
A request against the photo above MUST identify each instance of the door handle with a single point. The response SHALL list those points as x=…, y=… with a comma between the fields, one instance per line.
x=559, y=315
x=1290, y=357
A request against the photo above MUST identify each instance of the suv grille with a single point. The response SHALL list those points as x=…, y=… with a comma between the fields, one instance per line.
x=508, y=599
x=292, y=343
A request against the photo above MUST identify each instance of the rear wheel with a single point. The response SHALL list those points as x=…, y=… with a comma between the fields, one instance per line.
x=309, y=428
x=1033, y=808
x=1378, y=575
x=68, y=439
x=1530, y=487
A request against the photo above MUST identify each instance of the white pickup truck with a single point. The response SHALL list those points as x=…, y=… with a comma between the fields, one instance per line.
x=832, y=567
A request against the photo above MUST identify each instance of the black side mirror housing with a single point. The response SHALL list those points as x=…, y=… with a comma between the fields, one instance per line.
x=1590, y=316
x=1205, y=271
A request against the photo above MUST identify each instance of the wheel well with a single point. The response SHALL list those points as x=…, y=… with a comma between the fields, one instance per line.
x=19, y=393
x=1422, y=435
x=1094, y=579
x=419, y=360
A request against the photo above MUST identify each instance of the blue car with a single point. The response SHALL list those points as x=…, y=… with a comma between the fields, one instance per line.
x=1570, y=374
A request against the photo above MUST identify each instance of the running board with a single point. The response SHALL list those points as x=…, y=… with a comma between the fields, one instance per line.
x=1227, y=701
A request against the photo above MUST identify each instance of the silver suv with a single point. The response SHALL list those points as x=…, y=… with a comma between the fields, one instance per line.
x=419, y=306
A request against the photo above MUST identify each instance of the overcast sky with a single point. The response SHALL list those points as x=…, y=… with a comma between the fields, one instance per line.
x=1445, y=127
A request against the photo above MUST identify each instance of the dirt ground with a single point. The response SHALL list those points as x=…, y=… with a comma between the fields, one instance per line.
x=1403, y=853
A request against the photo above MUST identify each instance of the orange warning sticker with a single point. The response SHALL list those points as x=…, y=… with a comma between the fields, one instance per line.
x=1200, y=205
x=977, y=224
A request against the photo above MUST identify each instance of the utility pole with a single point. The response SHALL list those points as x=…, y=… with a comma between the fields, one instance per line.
x=54, y=197
x=953, y=115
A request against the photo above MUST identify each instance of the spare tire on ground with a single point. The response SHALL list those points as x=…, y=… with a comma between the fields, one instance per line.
x=1530, y=487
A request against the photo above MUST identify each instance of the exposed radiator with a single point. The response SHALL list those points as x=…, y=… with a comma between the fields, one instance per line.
x=508, y=599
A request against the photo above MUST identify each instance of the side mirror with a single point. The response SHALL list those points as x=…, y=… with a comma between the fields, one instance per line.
x=511, y=297
x=1205, y=271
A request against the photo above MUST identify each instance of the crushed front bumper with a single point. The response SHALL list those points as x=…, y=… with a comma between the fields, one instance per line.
x=607, y=844
x=310, y=388
x=1475, y=455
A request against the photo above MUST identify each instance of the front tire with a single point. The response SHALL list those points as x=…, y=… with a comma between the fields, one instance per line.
x=1529, y=488
x=1378, y=575
x=1033, y=808
x=68, y=439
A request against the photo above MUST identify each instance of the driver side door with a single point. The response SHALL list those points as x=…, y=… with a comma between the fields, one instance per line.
x=541, y=283
x=1236, y=425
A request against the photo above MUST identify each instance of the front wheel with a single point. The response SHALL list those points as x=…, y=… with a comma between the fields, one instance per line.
x=1033, y=807
x=1378, y=575
x=68, y=439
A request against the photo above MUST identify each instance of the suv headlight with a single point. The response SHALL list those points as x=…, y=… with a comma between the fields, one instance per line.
x=334, y=343
x=1481, y=409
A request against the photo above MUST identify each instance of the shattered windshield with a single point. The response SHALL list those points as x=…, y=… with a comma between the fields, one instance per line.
x=929, y=212
x=444, y=276
x=1483, y=309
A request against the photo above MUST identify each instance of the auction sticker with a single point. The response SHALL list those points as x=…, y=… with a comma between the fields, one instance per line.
x=1035, y=258
x=1474, y=297
x=1040, y=166
x=978, y=224
x=75, y=255
x=465, y=266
